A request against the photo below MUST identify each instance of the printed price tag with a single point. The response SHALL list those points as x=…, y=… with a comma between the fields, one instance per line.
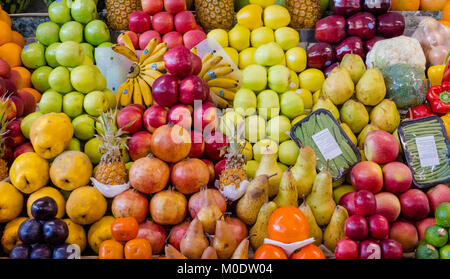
x=426, y=147
x=327, y=144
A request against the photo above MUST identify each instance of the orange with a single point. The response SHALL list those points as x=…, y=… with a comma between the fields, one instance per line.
x=124, y=229
x=288, y=224
x=432, y=5
x=446, y=12
x=309, y=252
x=110, y=250
x=269, y=251
x=25, y=74
x=445, y=22
x=5, y=18
x=5, y=33
x=33, y=92
x=405, y=5
x=138, y=248
x=10, y=52
x=18, y=38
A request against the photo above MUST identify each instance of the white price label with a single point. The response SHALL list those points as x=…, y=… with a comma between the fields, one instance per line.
x=327, y=144
x=426, y=147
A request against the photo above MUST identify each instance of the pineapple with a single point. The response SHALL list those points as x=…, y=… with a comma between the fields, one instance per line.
x=118, y=12
x=304, y=13
x=4, y=122
x=214, y=14
x=111, y=170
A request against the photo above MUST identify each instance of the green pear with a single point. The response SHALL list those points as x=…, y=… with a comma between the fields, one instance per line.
x=386, y=116
x=269, y=54
x=321, y=198
x=326, y=103
x=338, y=86
x=371, y=88
x=354, y=65
x=279, y=78
x=355, y=115
x=335, y=229
x=259, y=229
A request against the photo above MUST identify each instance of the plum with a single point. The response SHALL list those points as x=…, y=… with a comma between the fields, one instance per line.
x=44, y=208
x=30, y=231
x=55, y=231
x=41, y=251
x=20, y=251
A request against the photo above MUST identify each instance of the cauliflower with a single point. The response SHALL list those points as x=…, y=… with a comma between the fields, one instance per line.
x=398, y=50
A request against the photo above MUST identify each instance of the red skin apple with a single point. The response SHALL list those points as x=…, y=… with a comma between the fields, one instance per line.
x=369, y=249
x=177, y=233
x=162, y=22
x=10, y=87
x=348, y=201
x=365, y=203
x=397, y=177
x=19, y=105
x=133, y=37
x=437, y=195
x=29, y=102
x=368, y=45
x=16, y=78
x=378, y=7
x=174, y=6
x=25, y=147
x=178, y=62
x=388, y=205
x=14, y=135
x=356, y=227
x=191, y=90
x=139, y=107
x=214, y=142
x=165, y=90
x=151, y=7
x=406, y=234
x=146, y=37
x=321, y=55
x=130, y=203
x=391, y=24
x=5, y=69
x=345, y=7
x=346, y=249
x=367, y=175
x=422, y=225
x=181, y=115
x=350, y=45
x=155, y=234
x=193, y=37
x=219, y=167
x=378, y=226
x=197, y=145
x=197, y=67
x=330, y=29
x=380, y=147
x=212, y=173
x=363, y=25
x=196, y=201
x=415, y=204
x=139, y=22
x=154, y=117
x=139, y=145
x=184, y=21
x=206, y=117
x=173, y=39
x=238, y=228
x=129, y=115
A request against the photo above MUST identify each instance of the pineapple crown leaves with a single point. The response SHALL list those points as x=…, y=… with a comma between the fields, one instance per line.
x=4, y=122
x=235, y=138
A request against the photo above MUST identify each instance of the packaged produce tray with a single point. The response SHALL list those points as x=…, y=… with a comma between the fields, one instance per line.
x=427, y=150
x=322, y=132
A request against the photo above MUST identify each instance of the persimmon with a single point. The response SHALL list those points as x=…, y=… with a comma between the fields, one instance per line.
x=10, y=52
x=269, y=251
x=432, y=5
x=138, y=248
x=5, y=33
x=446, y=12
x=405, y=5
x=4, y=16
x=124, y=229
x=309, y=252
x=288, y=224
x=110, y=250
x=17, y=38
x=25, y=74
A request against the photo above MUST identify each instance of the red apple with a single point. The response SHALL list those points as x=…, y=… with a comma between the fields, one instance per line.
x=24, y=147
x=415, y=204
x=151, y=7
x=348, y=201
x=5, y=69
x=365, y=203
x=391, y=24
x=368, y=45
x=139, y=22
x=173, y=39
x=197, y=145
x=197, y=65
x=139, y=107
x=369, y=249
x=422, y=225
x=16, y=78
x=238, y=228
x=356, y=227
x=388, y=205
x=321, y=55
x=345, y=7
x=129, y=115
x=378, y=226
x=29, y=102
x=162, y=22
x=330, y=68
x=380, y=147
x=377, y=7
x=178, y=62
x=14, y=135
x=391, y=249
x=154, y=117
x=146, y=37
x=367, y=175
x=133, y=37
x=184, y=21
x=206, y=117
x=437, y=195
x=165, y=90
x=352, y=45
x=196, y=201
x=19, y=105
x=219, y=167
x=362, y=25
x=193, y=37
x=139, y=145
x=174, y=6
x=10, y=87
x=397, y=177
x=330, y=29
x=212, y=173
x=155, y=234
x=181, y=115
x=346, y=249
x=191, y=89
x=406, y=234
x=177, y=233
x=130, y=203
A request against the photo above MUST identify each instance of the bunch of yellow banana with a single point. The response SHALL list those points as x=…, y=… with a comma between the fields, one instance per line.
x=145, y=69
x=217, y=73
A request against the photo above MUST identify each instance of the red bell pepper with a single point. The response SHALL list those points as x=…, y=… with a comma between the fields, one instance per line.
x=439, y=98
x=419, y=112
x=446, y=76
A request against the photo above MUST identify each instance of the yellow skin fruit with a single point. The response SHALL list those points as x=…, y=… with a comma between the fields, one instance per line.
x=11, y=202
x=220, y=35
x=29, y=172
x=77, y=235
x=250, y=16
x=239, y=37
x=233, y=54
x=48, y=192
x=85, y=205
x=10, y=237
x=311, y=79
x=70, y=170
x=99, y=232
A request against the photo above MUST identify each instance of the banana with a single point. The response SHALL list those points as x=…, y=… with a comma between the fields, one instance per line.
x=127, y=93
x=210, y=64
x=120, y=90
x=217, y=72
x=128, y=53
x=137, y=95
x=219, y=101
x=207, y=56
x=158, y=66
x=148, y=50
x=223, y=93
x=127, y=42
x=157, y=55
x=151, y=73
x=223, y=83
x=145, y=91
x=221, y=64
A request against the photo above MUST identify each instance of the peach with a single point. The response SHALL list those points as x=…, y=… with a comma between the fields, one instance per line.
x=29, y=102
x=5, y=69
x=397, y=177
x=388, y=205
x=422, y=225
x=406, y=234
x=380, y=147
x=16, y=78
x=368, y=176
x=437, y=195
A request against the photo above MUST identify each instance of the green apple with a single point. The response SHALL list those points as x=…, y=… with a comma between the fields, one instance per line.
x=251, y=167
x=288, y=152
x=39, y=78
x=73, y=104
x=254, y=77
x=291, y=104
x=111, y=97
x=268, y=104
x=59, y=12
x=95, y=103
x=70, y=54
x=50, y=55
x=27, y=121
x=59, y=80
x=33, y=55
x=230, y=122
x=255, y=128
x=91, y=148
x=47, y=33
x=269, y=54
x=84, y=78
x=88, y=50
x=262, y=35
x=105, y=44
x=84, y=11
x=74, y=145
x=51, y=101
x=83, y=127
x=261, y=146
x=279, y=78
x=71, y=31
x=278, y=128
x=245, y=102
x=96, y=32
x=296, y=59
x=287, y=37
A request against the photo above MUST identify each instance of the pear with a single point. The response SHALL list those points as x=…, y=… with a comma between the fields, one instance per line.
x=354, y=65
x=304, y=170
x=287, y=193
x=259, y=229
x=355, y=115
x=321, y=198
x=224, y=240
x=364, y=132
x=209, y=212
x=371, y=88
x=268, y=166
x=314, y=229
x=335, y=229
x=172, y=253
x=349, y=133
x=209, y=254
x=326, y=103
x=338, y=86
x=194, y=242
x=385, y=115
x=241, y=252
x=255, y=195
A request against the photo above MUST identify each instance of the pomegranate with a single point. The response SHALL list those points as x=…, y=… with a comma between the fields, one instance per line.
x=155, y=234
x=177, y=233
x=149, y=175
x=196, y=202
x=189, y=175
x=130, y=203
x=168, y=207
x=171, y=143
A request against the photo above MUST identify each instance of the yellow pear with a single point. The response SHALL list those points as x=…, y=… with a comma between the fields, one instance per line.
x=210, y=253
x=326, y=103
x=77, y=235
x=386, y=116
x=355, y=115
x=304, y=171
x=314, y=230
x=371, y=88
x=85, y=205
x=29, y=172
x=321, y=198
x=11, y=202
x=48, y=192
x=349, y=133
x=287, y=193
x=172, y=253
x=70, y=170
x=50, y=134
x=194, y=241
x=338, y=86
x=241, y=251
x=10, y=237
x=99, y=232
x=250, y=203
x=259, y=229
x=335, y=229
x=224, y=241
